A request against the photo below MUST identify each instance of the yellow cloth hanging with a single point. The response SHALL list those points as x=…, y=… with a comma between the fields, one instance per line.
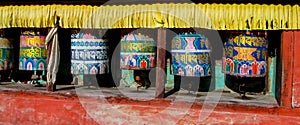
x=180, y=15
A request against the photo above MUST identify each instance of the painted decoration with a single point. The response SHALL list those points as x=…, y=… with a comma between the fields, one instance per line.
x=89, y=54
x=6, y=50
x=245, y=54
x=190, y=55
x=32, y=51
x=137, y=52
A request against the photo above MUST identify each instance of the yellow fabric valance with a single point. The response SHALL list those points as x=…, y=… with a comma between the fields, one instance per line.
x=210, y=16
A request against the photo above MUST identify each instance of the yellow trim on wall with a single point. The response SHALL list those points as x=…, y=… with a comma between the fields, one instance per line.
x=184, y=15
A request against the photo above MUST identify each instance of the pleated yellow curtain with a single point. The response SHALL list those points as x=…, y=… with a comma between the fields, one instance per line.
x=5, y=16
x=180, y=15
x=26, y=16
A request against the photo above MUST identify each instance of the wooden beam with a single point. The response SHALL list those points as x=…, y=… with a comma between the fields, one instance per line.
x=161, y=63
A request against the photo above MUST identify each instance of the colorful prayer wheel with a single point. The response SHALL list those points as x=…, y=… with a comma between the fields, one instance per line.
x=89, y=54
x=137, y=52
x=246, y=54
x=190, y=55
x=6, y=58
x=245, y=61
x=32, y=51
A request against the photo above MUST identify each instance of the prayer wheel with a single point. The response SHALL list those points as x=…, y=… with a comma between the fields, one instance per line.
x=6, y=55
x=245, y=61
x=32, y=51
x=137, y=52
x=89, y=54
x=190, y=55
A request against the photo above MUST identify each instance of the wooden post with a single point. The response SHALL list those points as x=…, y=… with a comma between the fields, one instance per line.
x=161, y=63
x=296, y=71
x=287, y=59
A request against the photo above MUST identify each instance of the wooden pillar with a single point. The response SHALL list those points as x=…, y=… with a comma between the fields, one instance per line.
x=161, y=63
x=295, y=90
x=287, y=59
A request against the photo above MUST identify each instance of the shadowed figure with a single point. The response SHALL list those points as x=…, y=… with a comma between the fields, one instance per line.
x=144, y=77
x=138, y=83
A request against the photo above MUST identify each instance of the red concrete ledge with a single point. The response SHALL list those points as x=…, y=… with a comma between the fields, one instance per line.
x=65, y=107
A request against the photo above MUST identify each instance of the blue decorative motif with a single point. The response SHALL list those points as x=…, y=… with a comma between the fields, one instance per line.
x=190, y=55
x=137, y=61
x=91, y=68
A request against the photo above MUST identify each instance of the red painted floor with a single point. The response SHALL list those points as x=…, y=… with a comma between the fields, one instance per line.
x=29, y=107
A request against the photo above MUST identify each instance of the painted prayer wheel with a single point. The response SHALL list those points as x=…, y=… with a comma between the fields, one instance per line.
x=6, y=58
x=32, y=51
x=245, y=61
x=89, y=54
x=190, y=55
x=137, y=52
x=246, y=54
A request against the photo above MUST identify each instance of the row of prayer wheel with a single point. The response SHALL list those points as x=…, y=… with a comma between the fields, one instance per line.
x=32, y=54
x=245, y=54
